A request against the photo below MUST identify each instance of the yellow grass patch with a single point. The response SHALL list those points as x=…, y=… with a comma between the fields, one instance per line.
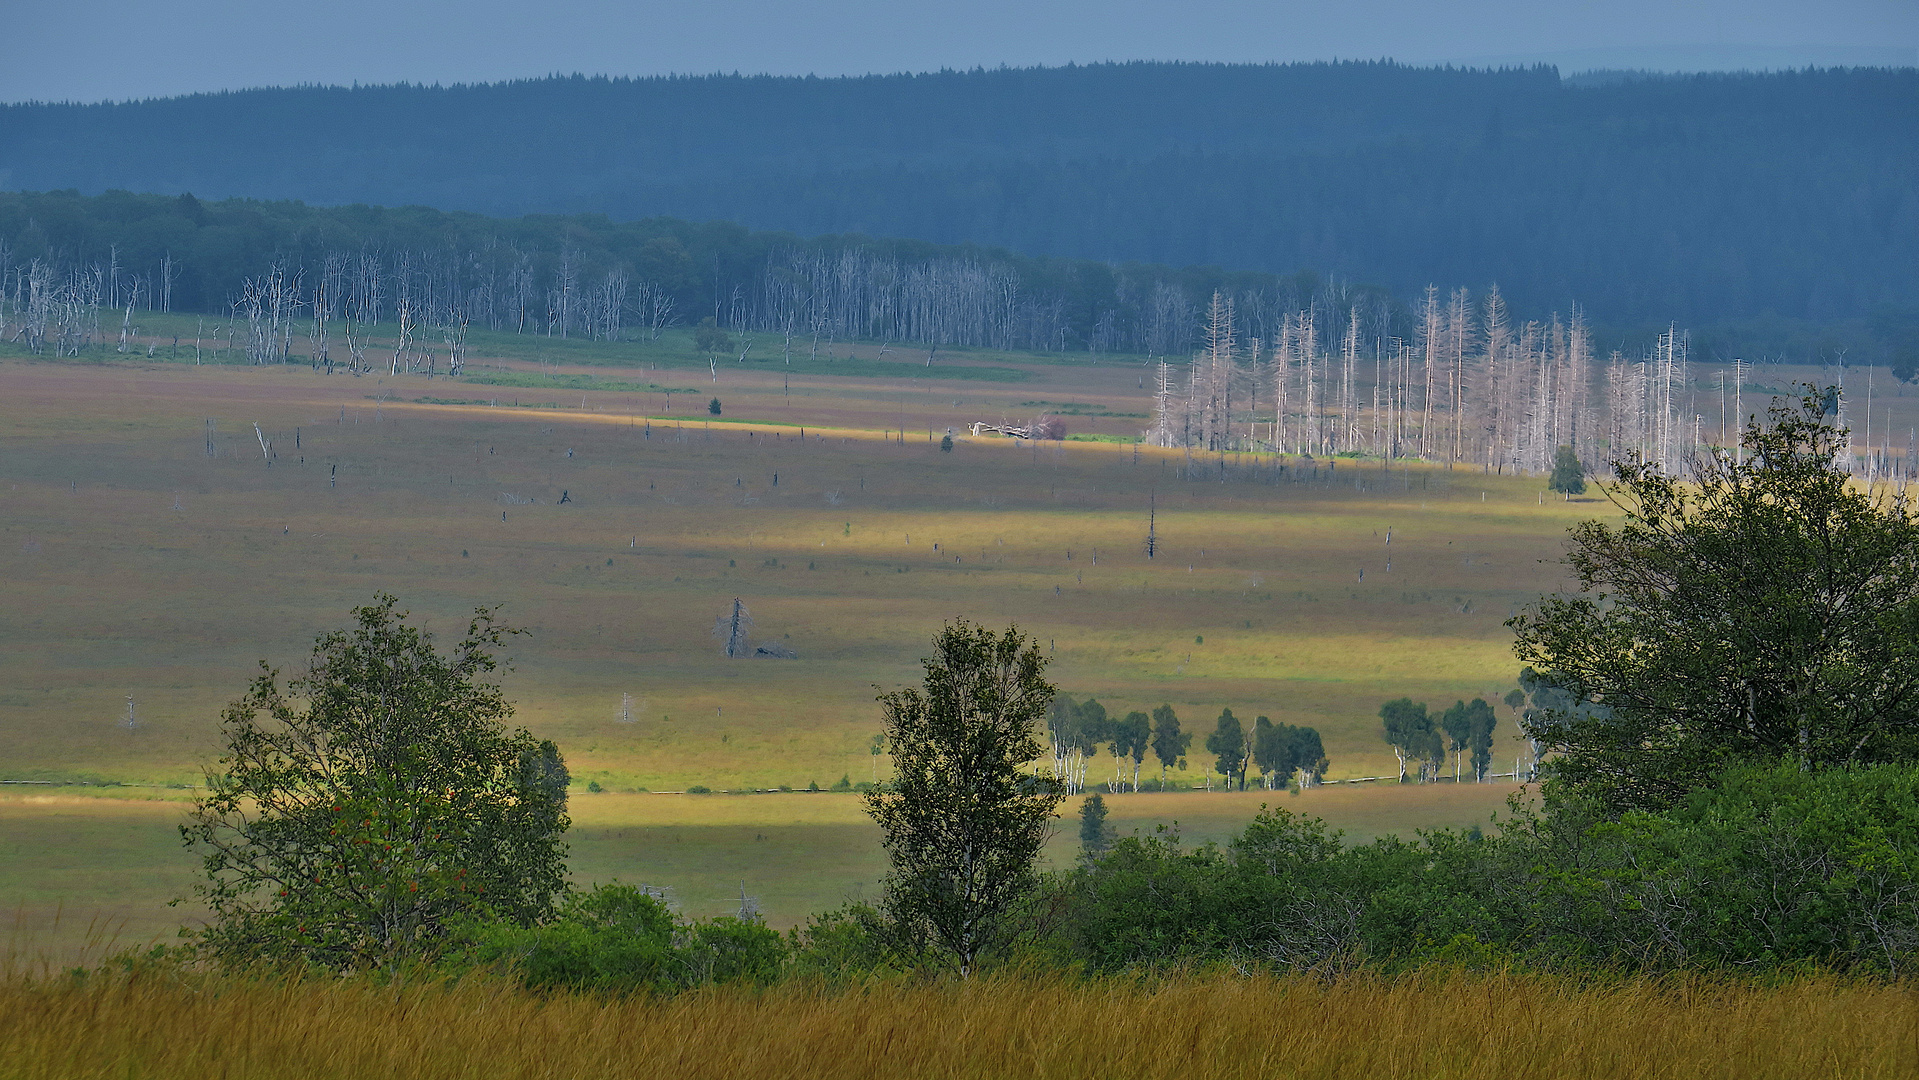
x=1435, y=1025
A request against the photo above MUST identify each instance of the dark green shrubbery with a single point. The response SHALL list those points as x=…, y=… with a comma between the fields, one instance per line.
x=1768, y=868
x=622, y=939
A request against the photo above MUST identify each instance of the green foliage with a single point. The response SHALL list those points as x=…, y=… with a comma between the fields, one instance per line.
x=708, y=337
x=622, y=939
x=1898, y=332
x=1095, y=833
x=1131, y=737
x=378, y=797
x=1149, y=901
x=713, y=407
x=1768, y=869
x=1079, y=726
x=1767, y=866
x=1470, y=729
x=946, y=444
x=1569, y=476
x=1413, y=736
x=1169, y=742
x=1282, y=749
x=1227, y=744
x=961, y=822
x=849, y=942
x=1763, y=610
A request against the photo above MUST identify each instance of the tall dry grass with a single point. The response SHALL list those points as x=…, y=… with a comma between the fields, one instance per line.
x=1482, y=1026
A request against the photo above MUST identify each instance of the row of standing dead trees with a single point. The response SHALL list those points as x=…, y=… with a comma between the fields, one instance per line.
x=1470, y=388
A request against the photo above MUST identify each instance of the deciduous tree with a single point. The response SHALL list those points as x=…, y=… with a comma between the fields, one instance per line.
x=1413, y=736
x=1227, y=744
x=960, y=822
x=1169, y=742
x=362, y=806
x=1762, y=608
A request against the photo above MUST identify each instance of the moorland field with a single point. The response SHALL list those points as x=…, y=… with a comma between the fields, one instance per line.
x=589, y=493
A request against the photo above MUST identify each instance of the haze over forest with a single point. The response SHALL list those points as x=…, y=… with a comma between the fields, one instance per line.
x=1775, y=213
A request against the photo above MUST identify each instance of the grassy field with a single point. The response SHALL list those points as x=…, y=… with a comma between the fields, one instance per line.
x=853, y=559
x=1429, y=1026
x=138, y=566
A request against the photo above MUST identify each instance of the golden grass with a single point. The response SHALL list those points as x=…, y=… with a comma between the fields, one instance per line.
x=1505, y=1026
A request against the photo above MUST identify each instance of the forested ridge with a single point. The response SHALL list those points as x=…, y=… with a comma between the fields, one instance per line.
x=66, y=258
x=1777, y=213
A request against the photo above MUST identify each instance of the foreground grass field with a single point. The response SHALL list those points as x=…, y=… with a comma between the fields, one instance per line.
x=1430, y=1025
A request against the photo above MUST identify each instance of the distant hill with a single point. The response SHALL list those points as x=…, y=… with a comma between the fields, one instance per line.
x=1785, y=200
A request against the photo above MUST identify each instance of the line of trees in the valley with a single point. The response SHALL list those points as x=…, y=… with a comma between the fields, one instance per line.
x=1285, y=754
x=74, y=269
x=1429, y=742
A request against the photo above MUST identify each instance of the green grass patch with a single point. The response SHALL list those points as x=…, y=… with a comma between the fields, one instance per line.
x=533, y=380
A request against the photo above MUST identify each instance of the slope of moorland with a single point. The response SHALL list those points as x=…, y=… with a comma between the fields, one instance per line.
x=1644, y=200
x=141, y=567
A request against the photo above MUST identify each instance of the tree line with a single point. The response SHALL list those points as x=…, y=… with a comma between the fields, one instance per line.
x=1651, y=199
x=1285, y=754
x=75, y=269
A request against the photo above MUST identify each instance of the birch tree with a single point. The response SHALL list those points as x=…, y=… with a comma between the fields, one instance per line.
x=961, y=823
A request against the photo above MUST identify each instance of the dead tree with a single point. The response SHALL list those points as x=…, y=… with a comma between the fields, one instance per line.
x=731, y=629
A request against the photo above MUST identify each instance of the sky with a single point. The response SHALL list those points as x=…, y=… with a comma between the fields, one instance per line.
x=95, y=50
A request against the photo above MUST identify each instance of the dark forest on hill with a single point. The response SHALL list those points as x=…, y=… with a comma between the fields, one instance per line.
x=1778, y=214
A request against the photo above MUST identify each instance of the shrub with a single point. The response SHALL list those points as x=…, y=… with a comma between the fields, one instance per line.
x=1767, y=869
x=360, y=808
x=848, y=941
x=623, y=939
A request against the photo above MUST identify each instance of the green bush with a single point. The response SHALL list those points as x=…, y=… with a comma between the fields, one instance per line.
x=621, y=939
x=846, y=942
x=1766, y=869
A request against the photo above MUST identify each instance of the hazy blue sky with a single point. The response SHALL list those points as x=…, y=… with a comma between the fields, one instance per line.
x=108, y=49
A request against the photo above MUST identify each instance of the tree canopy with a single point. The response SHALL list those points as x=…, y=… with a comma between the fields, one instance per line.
x=1764, y=608
x=961, y=823
x=1412, y=734
x=1227, y=744
x=361, y=807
